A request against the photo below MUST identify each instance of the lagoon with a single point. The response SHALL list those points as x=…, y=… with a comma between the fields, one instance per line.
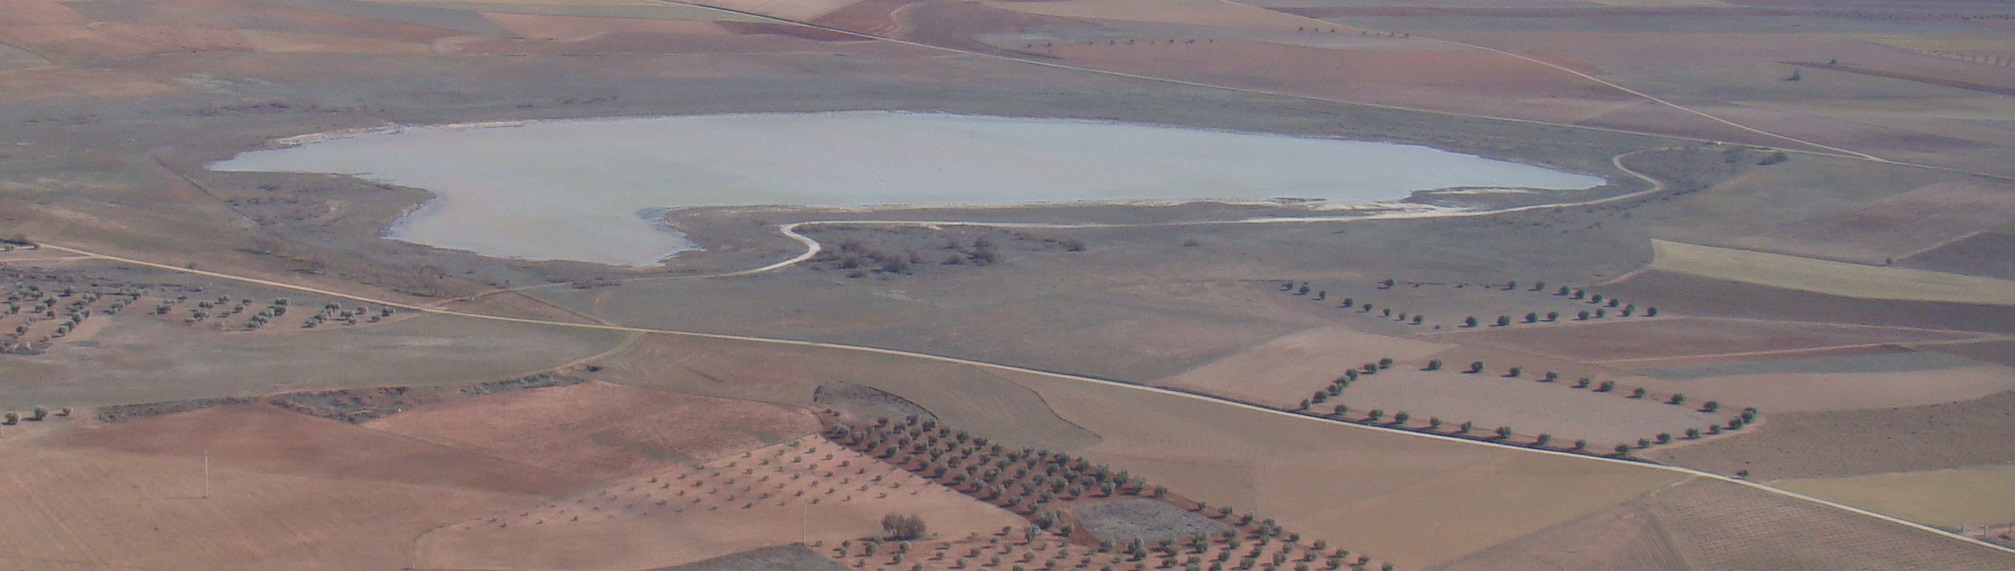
x=592, y=190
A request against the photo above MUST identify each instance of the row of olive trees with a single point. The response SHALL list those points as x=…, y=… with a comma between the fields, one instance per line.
x=1403, y=419
x=38, y=413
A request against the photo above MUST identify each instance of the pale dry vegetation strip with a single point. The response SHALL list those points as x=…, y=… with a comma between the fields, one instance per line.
x=1950, y=498
x=1828, y=277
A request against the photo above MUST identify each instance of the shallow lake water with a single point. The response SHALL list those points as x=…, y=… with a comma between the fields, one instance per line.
x=589, y=190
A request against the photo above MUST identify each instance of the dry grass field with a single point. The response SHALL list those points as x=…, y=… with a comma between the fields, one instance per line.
x=1529, y=407
x=144, y=359
x=1954, y=435
x=1718, y=525
x=105, y=509
x=1684, y=294
x=1946, y=498
x=1820, y=383
x=1831, y=278
x=1702, y=525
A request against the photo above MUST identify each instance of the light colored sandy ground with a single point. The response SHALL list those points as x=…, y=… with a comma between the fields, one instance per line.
x=685, y=515
x=599, y=430
x=1411, y=500
x=96, y=509
x=1796, y=392
x=800, y=10
x=1949, y=498
x=268, y=41
x=1827, y=277
x=1285, y=370
x=1212, y=13
x=1526, y=405
x=566, y=28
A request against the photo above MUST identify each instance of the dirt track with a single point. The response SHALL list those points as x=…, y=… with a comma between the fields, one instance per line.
x=1014, y=369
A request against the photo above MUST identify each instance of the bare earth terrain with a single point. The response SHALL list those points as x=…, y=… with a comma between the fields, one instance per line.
x=1788, y=297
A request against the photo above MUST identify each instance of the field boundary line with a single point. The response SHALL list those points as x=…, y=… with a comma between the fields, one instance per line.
x=1047, y=374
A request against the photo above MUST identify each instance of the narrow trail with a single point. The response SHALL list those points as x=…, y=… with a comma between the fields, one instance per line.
x=998, y=367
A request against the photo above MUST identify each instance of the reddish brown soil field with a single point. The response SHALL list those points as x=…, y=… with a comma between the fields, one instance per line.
x=971, y=398
x=811, y=489
x=1687, y=295
x=279, y=491
x=261, y=438
x=1678, y=337
x=599, y=430
x=1824, y=444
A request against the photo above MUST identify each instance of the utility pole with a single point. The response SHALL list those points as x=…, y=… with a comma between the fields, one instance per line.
x=206, y=474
